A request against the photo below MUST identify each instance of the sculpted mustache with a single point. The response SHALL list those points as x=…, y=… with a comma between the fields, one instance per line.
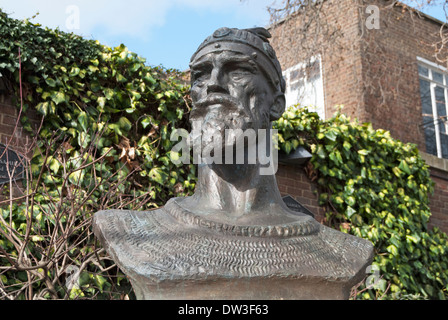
x=231, y=104
x=217, y=99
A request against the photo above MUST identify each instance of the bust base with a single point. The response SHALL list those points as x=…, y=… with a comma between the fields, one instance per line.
x=271, y=288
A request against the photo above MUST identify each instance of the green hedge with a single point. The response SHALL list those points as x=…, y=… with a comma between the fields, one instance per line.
x=377, y=188
x=104, y=143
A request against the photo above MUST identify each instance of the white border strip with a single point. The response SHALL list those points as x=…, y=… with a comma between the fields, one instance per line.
x=432, y=64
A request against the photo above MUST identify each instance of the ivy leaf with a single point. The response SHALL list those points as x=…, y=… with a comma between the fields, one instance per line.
x=108, y=93
x=42, y=108
x=392, y=249
x=146, y=122
x=404, y=167
x=95, y=86
x=347, y=146
x=116, y=128
x=287, y=147
x=83, y=120
x=95, y=62
x=158, y=175
x=125, y=123
x=363, y=152
x=350, y=211
x=58, y=97
x=321, y=152
x=331, y=135
x=120, y=78
x=135, y=67
x=33, y=79
x=74, y=71
x=148, y=77
x=136, y=95
x=54, y=165
x=93, y=69
x=397, y=171
x=101, y=103
x=51, y=82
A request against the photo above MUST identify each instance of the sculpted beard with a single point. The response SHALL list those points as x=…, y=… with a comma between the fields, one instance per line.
x=212, y=117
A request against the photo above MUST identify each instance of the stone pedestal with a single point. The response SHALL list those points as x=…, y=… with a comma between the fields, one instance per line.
x=171, y=253
x=257, y=288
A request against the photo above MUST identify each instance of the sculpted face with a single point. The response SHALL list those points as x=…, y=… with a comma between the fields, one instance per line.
x=229, y=91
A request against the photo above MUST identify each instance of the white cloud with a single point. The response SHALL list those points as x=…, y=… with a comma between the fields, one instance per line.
x=133, y=18
x=116, y=17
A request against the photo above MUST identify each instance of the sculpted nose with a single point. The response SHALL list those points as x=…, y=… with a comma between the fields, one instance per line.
x=216, y=83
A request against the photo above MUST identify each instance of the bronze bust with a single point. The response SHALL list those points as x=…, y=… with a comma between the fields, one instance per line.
x=234, y=238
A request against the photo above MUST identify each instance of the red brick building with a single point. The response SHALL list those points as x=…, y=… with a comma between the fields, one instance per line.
x=379, y=62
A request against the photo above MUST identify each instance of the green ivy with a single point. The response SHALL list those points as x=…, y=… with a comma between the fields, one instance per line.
x=377, y=188
x=97, y=103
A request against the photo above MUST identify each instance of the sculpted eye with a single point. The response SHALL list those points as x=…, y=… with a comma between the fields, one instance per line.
x=200, y=72
x=199, y=76
x=241, y=70
x=238, y=74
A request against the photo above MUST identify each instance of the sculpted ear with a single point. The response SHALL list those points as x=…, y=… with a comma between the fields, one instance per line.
x=278, y=106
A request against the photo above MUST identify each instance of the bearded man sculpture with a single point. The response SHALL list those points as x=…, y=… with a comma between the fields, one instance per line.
x=234, y=238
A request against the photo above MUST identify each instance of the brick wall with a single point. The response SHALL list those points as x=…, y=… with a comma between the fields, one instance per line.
x=293, y=181
x=13, y=135
x=390, y=74
x=391, y=85
x=373, y=73
x=340, y=54
x=439, y=200
x=9, y=133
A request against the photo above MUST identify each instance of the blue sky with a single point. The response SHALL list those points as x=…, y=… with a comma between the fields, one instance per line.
x=165, y=32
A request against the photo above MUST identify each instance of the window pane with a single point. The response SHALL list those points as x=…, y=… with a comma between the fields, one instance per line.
x=430, y=136
x=314, y=71
x=444, y=144
x=441, y=108
x=296, y=75
x=436, y=76
x=428, y=120
x=425, y=94
x=296, y=85
x=423, y=71
x=305, y=87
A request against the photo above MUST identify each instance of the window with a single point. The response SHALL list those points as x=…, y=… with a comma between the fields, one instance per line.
x=434, y=98
x=304, y=86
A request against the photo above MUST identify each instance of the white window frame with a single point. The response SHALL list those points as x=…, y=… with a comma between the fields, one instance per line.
x=431, y=66
x=302, y=65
